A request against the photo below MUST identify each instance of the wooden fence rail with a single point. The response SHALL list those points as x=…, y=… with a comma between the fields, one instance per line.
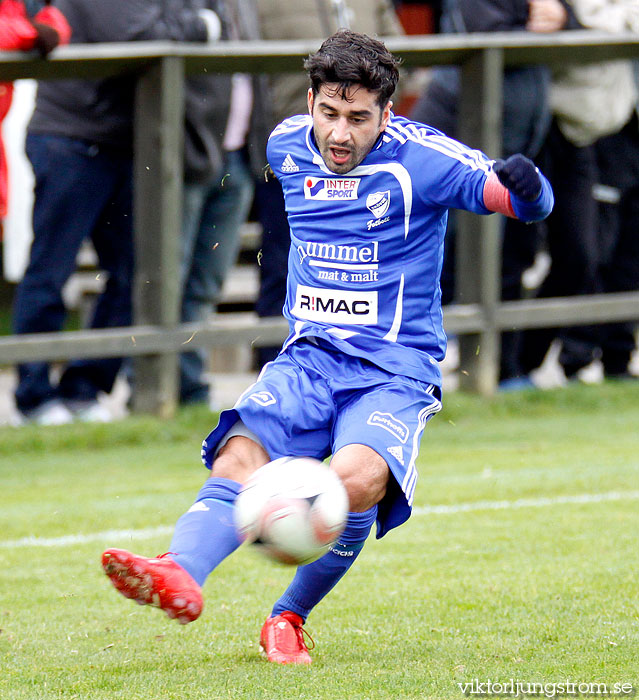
x=157, y=336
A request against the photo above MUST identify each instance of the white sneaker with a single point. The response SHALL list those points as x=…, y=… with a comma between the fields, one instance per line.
x=89, y=411
x=52, y=412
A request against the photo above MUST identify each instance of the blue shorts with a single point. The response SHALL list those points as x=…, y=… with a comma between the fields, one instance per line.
x=313, y=400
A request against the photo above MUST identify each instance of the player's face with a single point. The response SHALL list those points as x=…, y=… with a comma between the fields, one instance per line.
x=346, y=129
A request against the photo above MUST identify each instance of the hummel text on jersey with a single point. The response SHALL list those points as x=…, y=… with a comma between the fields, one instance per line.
x=368, y=254
x=342, y=307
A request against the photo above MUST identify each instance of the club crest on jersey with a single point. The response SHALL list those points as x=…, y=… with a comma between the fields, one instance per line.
x=378, y=203
x=390, y=423
x=329, y=189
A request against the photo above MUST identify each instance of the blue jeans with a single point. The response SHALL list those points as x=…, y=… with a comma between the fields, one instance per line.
x=82, y=190
x=213, y=215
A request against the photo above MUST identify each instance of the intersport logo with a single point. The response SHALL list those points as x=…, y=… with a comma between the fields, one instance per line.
x=329, y=189
x=342, y=307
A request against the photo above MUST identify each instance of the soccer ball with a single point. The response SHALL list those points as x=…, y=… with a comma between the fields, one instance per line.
x=293, y=509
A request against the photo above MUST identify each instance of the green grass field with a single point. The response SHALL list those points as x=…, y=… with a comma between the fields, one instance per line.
x=521, y=562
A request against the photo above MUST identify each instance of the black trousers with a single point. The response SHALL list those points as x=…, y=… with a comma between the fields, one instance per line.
x=572, y=236
x=617, y=267
x=276, y=241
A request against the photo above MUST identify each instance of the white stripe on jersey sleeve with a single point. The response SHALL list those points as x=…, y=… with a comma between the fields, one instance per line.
x=442, y=144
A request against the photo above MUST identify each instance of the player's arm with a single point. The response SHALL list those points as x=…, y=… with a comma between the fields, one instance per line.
x=517, y=189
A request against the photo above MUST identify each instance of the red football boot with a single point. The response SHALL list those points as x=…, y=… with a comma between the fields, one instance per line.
x=282, y=639
x=160, y=582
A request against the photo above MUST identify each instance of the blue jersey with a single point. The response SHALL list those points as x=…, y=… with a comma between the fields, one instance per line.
x=367, y=247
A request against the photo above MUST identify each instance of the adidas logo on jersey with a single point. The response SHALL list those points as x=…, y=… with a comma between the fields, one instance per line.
x=289, y=165
x=397, y=453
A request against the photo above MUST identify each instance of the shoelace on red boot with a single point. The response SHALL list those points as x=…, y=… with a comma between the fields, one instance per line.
x=300, y=632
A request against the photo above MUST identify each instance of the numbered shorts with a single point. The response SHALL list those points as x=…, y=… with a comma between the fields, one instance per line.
x=313, y=400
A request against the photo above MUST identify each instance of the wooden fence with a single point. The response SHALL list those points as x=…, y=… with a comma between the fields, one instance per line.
x=157, y=337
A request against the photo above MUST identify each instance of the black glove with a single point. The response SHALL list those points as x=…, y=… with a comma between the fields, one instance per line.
x=520, y=176
x=47, y=38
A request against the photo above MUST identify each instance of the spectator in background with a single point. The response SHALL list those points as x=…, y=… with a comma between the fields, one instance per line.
x=588, y=102
x=80, y=143
x=305, y=19
x=42, y=29
x=618, y=264
x=218, y=191
x=526, y=119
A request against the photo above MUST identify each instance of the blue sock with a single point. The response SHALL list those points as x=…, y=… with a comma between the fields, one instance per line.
x=205, y=534
x=313, y=581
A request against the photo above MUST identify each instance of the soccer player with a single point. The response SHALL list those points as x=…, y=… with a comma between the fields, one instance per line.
x=367, y=195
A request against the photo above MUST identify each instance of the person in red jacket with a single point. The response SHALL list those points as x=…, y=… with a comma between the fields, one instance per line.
x=44, y=31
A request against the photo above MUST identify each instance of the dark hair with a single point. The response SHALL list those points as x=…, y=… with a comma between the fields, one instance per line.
x=349, y=58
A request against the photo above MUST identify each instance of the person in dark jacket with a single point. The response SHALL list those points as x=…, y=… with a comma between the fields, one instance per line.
x=218, y=191
x=590, y=145
x=39, y=27
x=80, y=144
